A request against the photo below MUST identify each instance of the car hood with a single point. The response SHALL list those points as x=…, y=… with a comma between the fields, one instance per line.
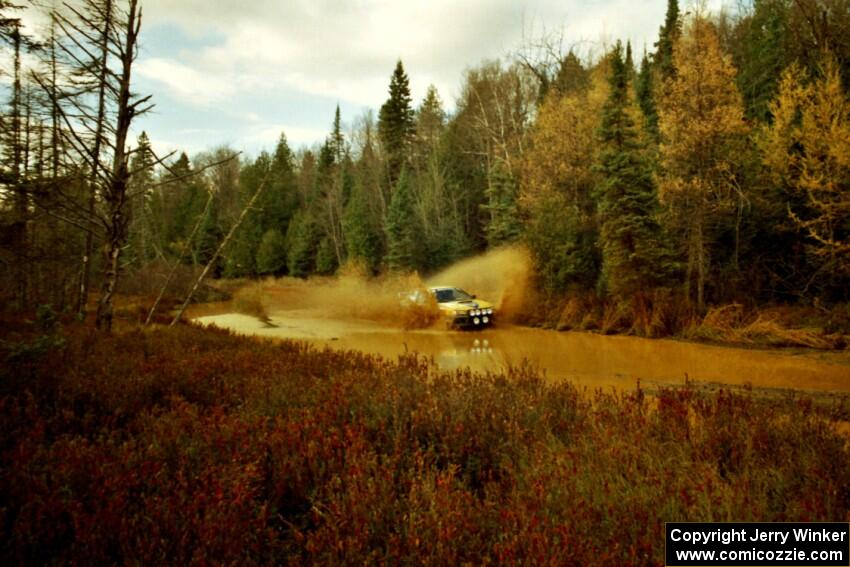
x=465, y=305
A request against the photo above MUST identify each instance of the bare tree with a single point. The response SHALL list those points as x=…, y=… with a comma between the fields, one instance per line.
x=97, y=111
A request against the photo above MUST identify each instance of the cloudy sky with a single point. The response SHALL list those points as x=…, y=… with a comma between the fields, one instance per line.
x=239, y=72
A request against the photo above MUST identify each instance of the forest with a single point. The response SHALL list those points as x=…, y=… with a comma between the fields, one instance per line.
x=710, y=170
x=653, y=193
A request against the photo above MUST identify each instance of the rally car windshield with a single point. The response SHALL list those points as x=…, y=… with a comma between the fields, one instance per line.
x=451, y=294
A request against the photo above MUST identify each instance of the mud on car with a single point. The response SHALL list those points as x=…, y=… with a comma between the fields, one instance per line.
x=461, y=309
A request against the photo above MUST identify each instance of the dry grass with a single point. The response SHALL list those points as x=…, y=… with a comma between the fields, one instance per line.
x=735, y=325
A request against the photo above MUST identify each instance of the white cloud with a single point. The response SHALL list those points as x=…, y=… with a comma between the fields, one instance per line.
x=346, y=50
x=235, y=59
x=191, y=85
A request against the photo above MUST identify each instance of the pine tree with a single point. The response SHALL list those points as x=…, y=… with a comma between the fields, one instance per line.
x=645, y=93
x=396, y=124
x=271, y=255
x=503, y=225
x=336, y=142
x=333, y=186
x=572, y=77
x=765, y=55
x=302, y=238
x=279, y=201
x=401, y=228
x=362, y=228
x=632, y=254
x=668, y=35
x=176, y=205
x=327, y=261
x=430, y=121
x=141, y=183
x=242, y=252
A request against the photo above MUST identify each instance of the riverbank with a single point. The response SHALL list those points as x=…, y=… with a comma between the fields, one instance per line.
x=188, y=444
x=663, y=315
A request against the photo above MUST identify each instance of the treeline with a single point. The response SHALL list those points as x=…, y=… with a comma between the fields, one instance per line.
x=714, y=169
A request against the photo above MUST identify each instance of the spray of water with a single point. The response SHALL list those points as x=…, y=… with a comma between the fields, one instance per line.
x=499, y=276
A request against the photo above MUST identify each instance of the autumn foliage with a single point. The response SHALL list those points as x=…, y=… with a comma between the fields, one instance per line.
x=193, y=446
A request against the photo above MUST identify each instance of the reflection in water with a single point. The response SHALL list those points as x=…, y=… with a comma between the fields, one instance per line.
x=588, y=359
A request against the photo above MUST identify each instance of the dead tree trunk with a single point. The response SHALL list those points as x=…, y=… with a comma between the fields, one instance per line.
x=116, y=192
x=19, y=236
x=85, y=268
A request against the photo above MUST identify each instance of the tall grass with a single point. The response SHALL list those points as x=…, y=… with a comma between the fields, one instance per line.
x=187, y=445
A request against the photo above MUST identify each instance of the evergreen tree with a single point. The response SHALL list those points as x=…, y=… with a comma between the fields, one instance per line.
x=563, y=246
x=362, y=228
x=141, y=183
x=271, y=255
x=630, y=63
x=632, y=259
x=336, y=142
x=207, y=240
x=572, y=76
x=242, y=252
x=176, y=206
x=333, y=187
x=396, y=124
x=645, y=93
x=430, y=121
x=302, y=238
x=401, y=228
x=280, y=199
x=765, y=55
x=504, y=224
x=327, y=261
x=668, y=35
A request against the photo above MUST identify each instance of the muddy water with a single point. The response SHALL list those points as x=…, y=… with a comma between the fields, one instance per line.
x=587, y=359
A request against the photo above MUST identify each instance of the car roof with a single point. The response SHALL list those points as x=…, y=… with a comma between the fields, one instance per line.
x=441, y=287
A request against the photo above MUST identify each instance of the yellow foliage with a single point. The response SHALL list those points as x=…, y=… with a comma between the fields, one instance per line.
x=808, y=148
x=701, y=118
x=563, y=145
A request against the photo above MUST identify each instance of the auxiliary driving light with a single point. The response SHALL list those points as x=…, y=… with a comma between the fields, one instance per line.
x=486, y=320
x=477, y=321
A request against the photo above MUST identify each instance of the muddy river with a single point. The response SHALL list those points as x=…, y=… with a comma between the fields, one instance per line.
x=587, y=359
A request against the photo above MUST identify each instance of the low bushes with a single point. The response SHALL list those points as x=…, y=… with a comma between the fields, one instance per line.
x=188, y=445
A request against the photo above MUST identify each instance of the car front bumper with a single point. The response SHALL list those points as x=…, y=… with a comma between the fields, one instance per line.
x=472, y=322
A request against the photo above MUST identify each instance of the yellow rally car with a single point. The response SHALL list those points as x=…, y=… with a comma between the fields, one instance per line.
x=461, y=309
